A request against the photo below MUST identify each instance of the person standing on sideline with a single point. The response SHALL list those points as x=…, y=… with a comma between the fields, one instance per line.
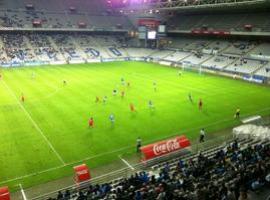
x=139, y=144
x=202, y=135
x=237, y=114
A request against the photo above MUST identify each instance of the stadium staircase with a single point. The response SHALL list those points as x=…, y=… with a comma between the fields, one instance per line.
x=174, y=51
x=260, y=67
x=152, y=53
x=105, y=49
x=164, y=57
x=29, y=46
x=241, y=21
x=4, y=53
x=169, y=54
x=79, y=49
x=62, y=57
x=211, y=56
x=180, y=60
x=125, y=52
x=199, y=23
x=231, y=63
x=224, y=50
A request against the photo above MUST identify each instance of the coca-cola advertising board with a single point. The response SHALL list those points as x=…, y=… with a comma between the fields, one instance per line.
x=82, y=173
x=164, y=147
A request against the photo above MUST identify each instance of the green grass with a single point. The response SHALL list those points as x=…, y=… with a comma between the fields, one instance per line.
x=62, y=113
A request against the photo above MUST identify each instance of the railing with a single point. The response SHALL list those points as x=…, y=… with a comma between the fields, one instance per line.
x=185, y=5
x=118, y=175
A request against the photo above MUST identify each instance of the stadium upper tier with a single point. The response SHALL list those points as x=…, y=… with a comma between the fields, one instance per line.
x=52, y=5
x=59, y=14
x=237, y=57
x=46, y=19
x=228, y=22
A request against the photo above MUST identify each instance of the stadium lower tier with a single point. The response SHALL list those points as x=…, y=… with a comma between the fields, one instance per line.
x=243, y=58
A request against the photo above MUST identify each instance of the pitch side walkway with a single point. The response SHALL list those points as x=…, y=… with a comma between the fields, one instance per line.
x=96, y=172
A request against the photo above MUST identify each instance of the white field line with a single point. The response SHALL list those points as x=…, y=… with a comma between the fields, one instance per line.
x=34, y=123
x=61, y=166
x=127, y=147
x=23, y=193
x=32, y=174
x=126, y=162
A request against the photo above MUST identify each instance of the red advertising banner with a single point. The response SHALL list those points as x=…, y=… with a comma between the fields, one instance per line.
x=149, y=23
x=4, y=193
x=164, y=147
x=82, y=24
x=82, y=173
x=209, y=32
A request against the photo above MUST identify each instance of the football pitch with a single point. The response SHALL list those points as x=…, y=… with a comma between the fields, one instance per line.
x=49, y=132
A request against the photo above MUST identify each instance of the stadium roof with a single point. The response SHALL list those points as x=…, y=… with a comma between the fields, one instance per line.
x=133, y=6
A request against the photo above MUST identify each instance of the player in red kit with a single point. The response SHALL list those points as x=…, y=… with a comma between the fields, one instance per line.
x=122, y=94
x=200, y=104
x=91, y=122
x=132, y=108
x=22, y=98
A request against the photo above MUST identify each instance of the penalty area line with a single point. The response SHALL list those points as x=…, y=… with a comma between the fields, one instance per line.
x=34, y=123
x=126, y=162
x=23, y=193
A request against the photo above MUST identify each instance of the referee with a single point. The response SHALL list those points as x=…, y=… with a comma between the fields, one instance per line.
x=139, y=144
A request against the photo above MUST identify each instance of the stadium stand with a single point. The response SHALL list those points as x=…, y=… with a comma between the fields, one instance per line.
x=43, y=48
x=264, y=71
x=177, y=56
x=239, y=48
x=229, y=171
x=262, y=51
x=36, y=48
x=218, y=62
x=196, y=58
x=162, y=54
x=227, y=22
x=79, y=31
x=245, y=66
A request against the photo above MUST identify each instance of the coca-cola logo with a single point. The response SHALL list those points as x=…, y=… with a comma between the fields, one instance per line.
x=85, y=171
x=166, y=147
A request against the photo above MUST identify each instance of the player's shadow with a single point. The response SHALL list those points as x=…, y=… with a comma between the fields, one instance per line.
x=89, y=133
x=152, y=111
x=112, y=126
x=133, y=115
x=205, y=112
